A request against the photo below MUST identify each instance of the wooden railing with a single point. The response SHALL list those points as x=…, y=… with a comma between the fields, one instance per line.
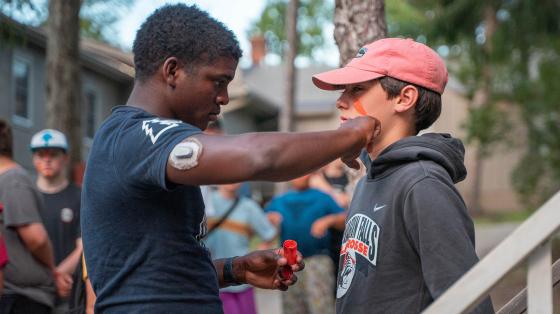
x=518, y=305
x=530, y=240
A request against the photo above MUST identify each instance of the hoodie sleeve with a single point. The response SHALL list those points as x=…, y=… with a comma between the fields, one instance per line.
x=442, y=233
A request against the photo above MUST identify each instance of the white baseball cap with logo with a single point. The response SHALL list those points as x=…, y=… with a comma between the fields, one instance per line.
x=49, y=138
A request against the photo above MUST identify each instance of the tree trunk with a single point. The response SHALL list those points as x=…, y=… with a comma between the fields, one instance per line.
x=356, y=23
x=481, y=99
x=63, y=72
x=287, y=113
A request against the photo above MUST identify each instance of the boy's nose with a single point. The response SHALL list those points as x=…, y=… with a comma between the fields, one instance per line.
x=341, y=104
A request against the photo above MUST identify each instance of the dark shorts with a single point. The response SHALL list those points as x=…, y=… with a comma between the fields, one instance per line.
x=18, y=304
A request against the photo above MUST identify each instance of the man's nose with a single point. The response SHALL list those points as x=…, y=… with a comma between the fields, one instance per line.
x=223, y=98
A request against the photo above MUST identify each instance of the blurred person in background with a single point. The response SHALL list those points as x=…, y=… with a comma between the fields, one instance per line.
x=82, y=298
x=31, y=279
x=234, y=222
x=3, y=252
x=305, y=215
x=214, y=128
x=334, y=180
x=61, y=213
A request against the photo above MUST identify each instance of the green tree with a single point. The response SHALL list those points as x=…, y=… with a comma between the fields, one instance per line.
x=312, y=16
x=505, y=52
x=97, y=17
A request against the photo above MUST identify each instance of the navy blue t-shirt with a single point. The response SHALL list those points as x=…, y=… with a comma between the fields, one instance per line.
x=142, y=234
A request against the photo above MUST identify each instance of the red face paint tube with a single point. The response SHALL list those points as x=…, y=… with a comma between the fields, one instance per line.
x=290, y=253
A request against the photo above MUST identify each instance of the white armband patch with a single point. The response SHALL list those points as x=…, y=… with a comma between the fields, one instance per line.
x=185, y=155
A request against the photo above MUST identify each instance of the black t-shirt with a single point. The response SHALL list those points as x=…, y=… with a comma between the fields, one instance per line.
x=142, y=234
x=61, y=217
x=339, y=183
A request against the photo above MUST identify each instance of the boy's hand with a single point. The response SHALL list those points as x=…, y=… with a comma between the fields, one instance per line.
x=366, y=127
x=262, y=269
x=275, y=218
x=63, y=283
x=320, y=226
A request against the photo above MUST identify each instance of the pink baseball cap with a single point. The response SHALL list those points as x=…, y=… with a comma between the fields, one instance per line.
x=403, y=59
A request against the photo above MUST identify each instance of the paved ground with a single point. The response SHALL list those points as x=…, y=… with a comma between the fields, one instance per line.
x=487, y=237
x=268, y=302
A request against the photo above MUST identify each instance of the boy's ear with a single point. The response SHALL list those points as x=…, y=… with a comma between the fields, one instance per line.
x=170, y=71
x=406, y=99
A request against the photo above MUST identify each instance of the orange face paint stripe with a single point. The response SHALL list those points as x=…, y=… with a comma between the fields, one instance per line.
x=360, y=108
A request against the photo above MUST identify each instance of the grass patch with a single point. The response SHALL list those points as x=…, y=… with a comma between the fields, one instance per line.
x=517, y=216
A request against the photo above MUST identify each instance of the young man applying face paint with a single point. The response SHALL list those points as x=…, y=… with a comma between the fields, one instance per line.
x=408, y=235
x=142, y=210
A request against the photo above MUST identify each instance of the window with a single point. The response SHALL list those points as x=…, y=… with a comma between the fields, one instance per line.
x=21, y=73
x=90, y=123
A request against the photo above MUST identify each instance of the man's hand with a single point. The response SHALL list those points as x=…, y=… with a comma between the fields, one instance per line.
x=366, y=127
x=262, y=269
x=63, y=283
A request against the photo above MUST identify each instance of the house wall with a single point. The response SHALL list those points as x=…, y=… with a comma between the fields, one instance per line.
x=110, y=93
x=23, y=130
x=497, y=192
x=239, y=121
x=315, y=123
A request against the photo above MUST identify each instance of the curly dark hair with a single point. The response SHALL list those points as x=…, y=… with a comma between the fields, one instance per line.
x=185, y=32
x=6, y=140
x=428, y=105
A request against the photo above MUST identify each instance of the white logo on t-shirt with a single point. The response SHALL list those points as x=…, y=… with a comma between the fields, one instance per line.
x=347, y=274
x=376, y=208
x=153, y=126
x=66, y=215
x=202, y=228
x=361, y=238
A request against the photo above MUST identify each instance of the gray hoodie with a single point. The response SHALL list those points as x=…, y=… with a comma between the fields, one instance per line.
x=408, y=235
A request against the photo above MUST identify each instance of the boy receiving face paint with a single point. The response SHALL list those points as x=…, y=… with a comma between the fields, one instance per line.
x=408, y=234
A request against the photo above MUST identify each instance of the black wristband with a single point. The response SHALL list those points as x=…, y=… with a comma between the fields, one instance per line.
x=227, y=272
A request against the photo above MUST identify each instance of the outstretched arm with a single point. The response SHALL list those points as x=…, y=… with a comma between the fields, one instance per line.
x=273, y=156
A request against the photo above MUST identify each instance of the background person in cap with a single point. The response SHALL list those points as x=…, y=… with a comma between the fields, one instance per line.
x=61, y=214
x=408, y=235
x=30, y=275
x=142, y=211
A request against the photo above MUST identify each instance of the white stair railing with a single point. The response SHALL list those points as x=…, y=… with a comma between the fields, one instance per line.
x=518, y=305
x=530, y=240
